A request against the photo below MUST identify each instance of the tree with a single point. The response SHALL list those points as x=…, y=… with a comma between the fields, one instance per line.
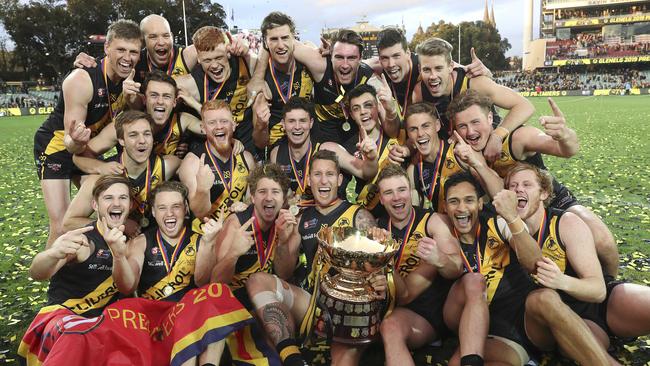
x=485, y=39
x=48, y=34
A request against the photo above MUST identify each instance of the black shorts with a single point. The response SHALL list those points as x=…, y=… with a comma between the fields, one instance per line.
x=430, y=304
x=610, y=283
x=507, y=321
x=563, y=198
x=51, y=158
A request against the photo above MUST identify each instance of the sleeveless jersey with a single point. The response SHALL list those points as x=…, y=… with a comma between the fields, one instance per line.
x=507, y=160
x=506, y=280
x=107, y=101
x=406, y=258
x=329, y=103
x=232, y=90
x=234, y=171
x=430, y=177
x=180, y=279
x=297, y=171
x=299, y=83
x=369, y=193
x=403, y=91
x=143, y=184
x=166, y=140
x=310, y=223
x=175, y=67
x=259, y=257
x=86, y=287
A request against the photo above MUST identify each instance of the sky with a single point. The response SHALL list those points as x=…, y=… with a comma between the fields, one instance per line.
x=310, y=17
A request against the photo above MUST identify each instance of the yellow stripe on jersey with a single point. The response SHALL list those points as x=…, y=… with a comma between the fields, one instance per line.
x=96, y=299
x=180, y=276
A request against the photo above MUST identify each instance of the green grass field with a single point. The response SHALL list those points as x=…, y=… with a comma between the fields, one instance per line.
x=610, y=175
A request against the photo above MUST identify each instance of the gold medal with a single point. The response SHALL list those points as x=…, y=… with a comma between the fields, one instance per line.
x=294, y=210
x=168, y=290
x=346, y=126
x=144, y=222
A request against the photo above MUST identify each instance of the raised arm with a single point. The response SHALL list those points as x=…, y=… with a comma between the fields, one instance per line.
x=526, y=248
x=77, y=93
x=127, y=260
x=441, y=249
x=234, y=241
x=80, y=209
x=206, y=256
x=64, y=249
x=198, y=178
x=288, y=245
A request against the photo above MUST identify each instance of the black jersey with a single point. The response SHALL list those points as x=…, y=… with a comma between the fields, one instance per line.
x=506, y=281
x=430, y=177
x=283, y=87
x=297, y=171
x=331, y=111
x=86, y=287
x=562, y=197
x=168, y=271
x=230, y=181
x=259, y=257
x=233, y=91
x=143, y=184
x=175, y=67
x=311, y=221
x=165, y=141
x=403, y=91
x=107, y=101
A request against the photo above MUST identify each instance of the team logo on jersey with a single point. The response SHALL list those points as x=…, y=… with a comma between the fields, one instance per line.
x=241, y=168
x=155, y=251
x=551, y=244
x=425, y=174
x=103, y=254
x=450, y=164
x=310, y=224
x=101, y=92
x=417, y=236
x=189, y=251
x=492, y=243
x=344, y=221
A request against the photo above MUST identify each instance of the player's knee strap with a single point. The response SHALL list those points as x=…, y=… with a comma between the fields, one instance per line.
x=264, y=298
x=285, y=295
x=281, y=295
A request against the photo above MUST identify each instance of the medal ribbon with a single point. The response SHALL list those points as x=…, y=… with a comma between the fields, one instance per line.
x=108, y=90
x=263, y=253
x=406, y=236
x=169, y=262
x=206, y=89
x=402, y=110
x=437, y=164
x=476, y=248
x=147, y=183
x=226, y=184
x=542, y=229
x=302, y=183
x=285, y=97
x=170, y=66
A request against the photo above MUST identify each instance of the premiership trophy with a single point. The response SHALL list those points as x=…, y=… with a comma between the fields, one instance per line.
x=348, y=302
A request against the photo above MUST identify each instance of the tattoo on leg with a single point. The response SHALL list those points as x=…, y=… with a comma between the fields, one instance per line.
x=277, y=322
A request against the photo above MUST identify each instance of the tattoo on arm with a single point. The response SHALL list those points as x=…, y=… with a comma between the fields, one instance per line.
x=277, y=323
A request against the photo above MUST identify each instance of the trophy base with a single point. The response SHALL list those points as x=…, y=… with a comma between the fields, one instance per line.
x=349, y=306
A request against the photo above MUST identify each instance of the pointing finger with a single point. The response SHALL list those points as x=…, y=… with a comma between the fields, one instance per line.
x=131, y=74
x=473, y=54
x=556, y=110
x=248, y=223
x=459, y=139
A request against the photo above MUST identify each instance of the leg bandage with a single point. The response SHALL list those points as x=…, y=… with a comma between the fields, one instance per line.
x=281, y=295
